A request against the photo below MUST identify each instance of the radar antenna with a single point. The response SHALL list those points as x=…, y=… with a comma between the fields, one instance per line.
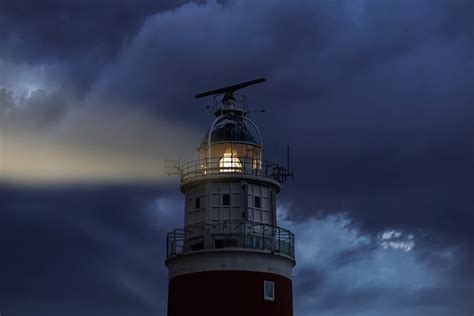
x=229, y=91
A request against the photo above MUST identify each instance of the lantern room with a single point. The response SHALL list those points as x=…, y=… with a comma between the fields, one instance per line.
x=232, y=144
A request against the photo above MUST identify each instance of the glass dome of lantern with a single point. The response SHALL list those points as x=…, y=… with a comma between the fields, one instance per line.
x=235, y=144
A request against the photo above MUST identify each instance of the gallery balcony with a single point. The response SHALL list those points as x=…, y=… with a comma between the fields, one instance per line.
x=231, y=235
x=231, y=166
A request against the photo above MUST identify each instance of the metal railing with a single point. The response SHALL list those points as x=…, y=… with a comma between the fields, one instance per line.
x=231, y=234
x=241, y=165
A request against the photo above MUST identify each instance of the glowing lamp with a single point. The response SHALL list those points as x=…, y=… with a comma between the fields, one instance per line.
x=228, y=163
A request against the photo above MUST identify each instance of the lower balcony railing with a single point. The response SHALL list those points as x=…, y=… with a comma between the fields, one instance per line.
x=231, y=235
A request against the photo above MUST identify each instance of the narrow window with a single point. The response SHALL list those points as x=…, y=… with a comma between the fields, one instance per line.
x=269, y=290
x=226, y=199
x=258, y=202
x=198, y=203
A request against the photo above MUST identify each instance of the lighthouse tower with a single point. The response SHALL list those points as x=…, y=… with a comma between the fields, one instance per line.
x=230, y=257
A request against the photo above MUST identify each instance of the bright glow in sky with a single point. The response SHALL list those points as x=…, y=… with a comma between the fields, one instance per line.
x=42, y=140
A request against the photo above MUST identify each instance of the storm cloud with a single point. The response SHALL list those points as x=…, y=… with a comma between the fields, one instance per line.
x=374, y=97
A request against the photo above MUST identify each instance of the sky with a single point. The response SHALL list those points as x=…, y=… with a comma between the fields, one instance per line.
x=374, y=98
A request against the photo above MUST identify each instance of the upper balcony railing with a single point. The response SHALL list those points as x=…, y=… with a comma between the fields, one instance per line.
x=233, y=165
x=231, y=234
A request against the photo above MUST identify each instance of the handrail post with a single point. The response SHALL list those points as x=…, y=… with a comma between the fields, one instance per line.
x=279, y=239
x=167, y=245
x=244, y=236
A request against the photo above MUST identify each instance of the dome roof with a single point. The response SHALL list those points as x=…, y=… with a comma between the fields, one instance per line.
x=230, y=132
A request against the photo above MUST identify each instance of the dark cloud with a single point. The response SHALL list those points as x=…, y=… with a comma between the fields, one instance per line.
x=374, y=97
x=96, y=248
x=357, y=274
x=53, y=30
x=86, y=35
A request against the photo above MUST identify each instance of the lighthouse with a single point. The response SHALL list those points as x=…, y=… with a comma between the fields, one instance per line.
x=230, y=257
